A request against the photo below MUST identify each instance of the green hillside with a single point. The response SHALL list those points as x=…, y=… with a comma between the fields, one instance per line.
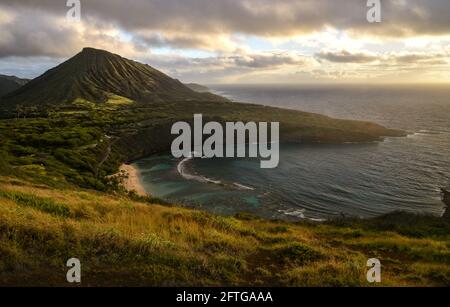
x=126, y=242
x=9, y=84
x=97, y=76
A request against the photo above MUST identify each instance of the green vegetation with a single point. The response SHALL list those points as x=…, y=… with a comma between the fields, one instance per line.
x=85, y=142
x=130, y=243
x=58, y=150
x=65, y=133
x=94, y=75
x=79, y=121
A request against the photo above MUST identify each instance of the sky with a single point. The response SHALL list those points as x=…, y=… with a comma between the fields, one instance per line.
x=237, y=41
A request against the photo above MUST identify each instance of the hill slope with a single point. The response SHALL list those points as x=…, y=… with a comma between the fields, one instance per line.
x=96, y=76
x=9, y=84
x=122, y=242
x=198, y=88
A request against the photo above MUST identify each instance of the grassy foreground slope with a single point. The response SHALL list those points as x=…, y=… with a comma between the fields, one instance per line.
x=121, y=241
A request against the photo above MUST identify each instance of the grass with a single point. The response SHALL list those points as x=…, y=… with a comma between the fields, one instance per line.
x=118, y=100
x=124, y=242
x=59, y=147
x=46, y=205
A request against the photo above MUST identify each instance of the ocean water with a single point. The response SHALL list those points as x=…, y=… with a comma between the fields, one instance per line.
x=323, y=181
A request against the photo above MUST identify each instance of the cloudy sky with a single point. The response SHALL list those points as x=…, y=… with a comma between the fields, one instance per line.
x=238, y=41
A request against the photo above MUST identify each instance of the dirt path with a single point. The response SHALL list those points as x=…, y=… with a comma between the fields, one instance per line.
x=105, y=155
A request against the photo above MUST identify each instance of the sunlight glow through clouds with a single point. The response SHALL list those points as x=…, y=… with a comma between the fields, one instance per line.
x=241, y=40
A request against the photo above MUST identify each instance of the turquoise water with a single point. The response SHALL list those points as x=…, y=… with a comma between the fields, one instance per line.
x=323, y=181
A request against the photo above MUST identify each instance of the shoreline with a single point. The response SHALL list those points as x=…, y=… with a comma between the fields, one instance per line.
x=133, y=182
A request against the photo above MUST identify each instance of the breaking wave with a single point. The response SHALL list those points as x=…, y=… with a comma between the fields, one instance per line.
x=182, y=170
x=186, y=175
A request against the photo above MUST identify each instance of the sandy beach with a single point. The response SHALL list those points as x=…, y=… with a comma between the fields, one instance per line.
x=132, y=183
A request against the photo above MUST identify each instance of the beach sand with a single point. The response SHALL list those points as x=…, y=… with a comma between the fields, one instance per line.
x=132, y=183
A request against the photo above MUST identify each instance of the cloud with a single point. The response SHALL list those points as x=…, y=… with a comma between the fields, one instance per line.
x=28, y=67
x=392, y=58
x=266, y=60
x=344, y=56
x=213, y=39
x=240, y=64
x=147, y=40
x=203, y=23
x=24, y=35
x=420, y=58
x=243, y=61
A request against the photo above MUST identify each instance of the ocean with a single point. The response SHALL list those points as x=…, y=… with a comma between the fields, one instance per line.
x=319, y=182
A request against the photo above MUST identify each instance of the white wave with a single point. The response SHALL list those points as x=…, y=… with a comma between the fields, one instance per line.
x=424, y=132
x=317, y=220
x=243, y=187
x=182, y=171
x=416, y=134
x=211, y=180
x=299, y=213
x=180, y=168
x=429, y=132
